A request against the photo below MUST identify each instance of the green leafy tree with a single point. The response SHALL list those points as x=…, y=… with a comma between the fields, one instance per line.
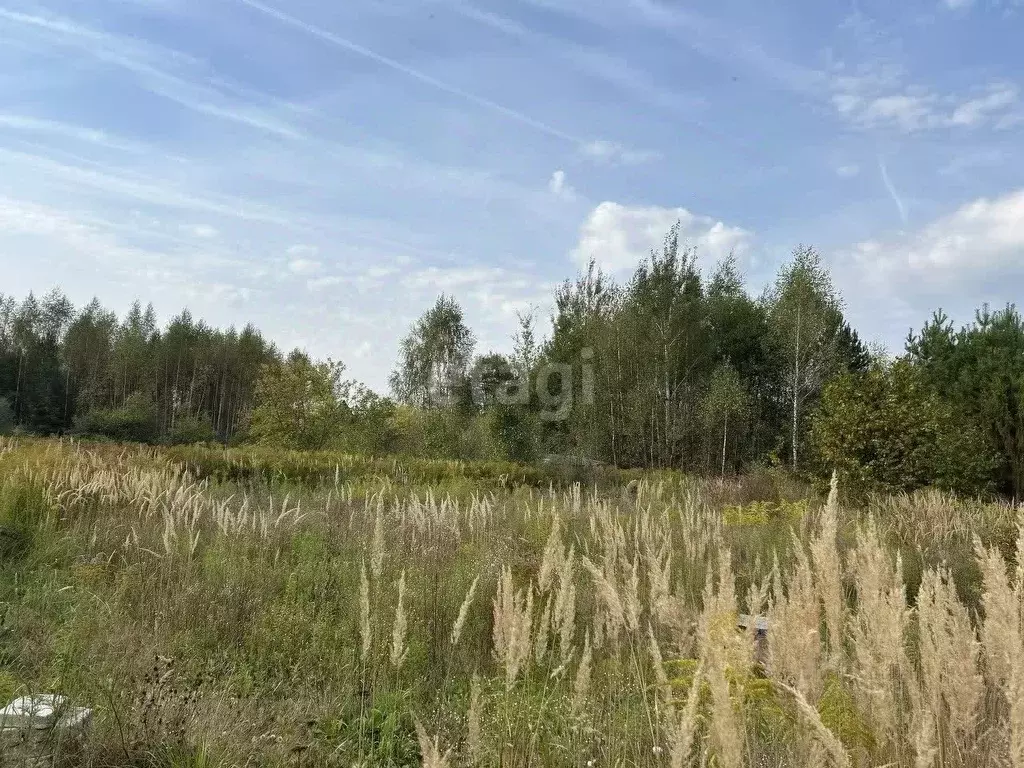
x=888, y=430
x=299, y=405
x=980, y=369
x=806, y=323
x=434, y=358
x=725, y=404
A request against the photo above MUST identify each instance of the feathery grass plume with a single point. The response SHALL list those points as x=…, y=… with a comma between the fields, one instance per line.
x=377, y=547
x=726, y=732
x=794, y=653
x=430, y=749
x=631, y=590
x=683, y=728
x=513, y=627
x=1001, y=632
x=467, y=604
x=365, y=627
x=828, y=573
x=878, y=631
x=659, y=575
x=474, y=739
x=543, y=633
x=581, y=685
x=950, y=654
x=553, y=555
x=565, y=607
x=1015, y=694
x=399, y=651
x=1003, y=637
x=658, y=662
x=834, y=747
x=614, y=615
x=926, y=737
x=718, y=628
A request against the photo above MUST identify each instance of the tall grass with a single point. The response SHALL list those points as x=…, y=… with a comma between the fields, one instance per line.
x=354, y=618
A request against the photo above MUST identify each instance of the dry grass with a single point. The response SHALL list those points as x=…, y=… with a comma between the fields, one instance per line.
x=378, y=623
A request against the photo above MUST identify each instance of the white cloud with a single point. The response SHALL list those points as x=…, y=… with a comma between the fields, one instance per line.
x=998, y=98
x=880, y=94
x=613, y=153
x=203, y=231
x=848, y=171
x=866, y=102
x=452, y=278
x=618, y=237
x=559, y=187
x=977, y=247
x=302, y=260
x=303, y=266
x=958, y=262
x=955, y=5
x=322, y=283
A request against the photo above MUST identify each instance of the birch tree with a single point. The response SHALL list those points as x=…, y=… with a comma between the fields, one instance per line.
x=805, y=320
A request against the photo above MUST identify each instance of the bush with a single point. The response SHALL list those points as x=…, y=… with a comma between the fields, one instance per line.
x=135, y=421
x=887, y=431
x=516, y=431
x=6, y=417
x=190, y=430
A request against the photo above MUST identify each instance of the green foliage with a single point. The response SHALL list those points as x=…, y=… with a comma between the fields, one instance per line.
x=516, y=430
x=6, y=417
x=726, y=403
x=135, y=421
x=806, y=322
x=840, y=714
x=191, y=429
x=9, y=687
x=434, y=358
x=298, y=405
x=887, y=430
x=980, y=372
x=382, y=730
x=58, y=366
x=766, y=513
x=23, y=512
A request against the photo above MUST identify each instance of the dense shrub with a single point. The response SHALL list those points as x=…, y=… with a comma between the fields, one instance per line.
x=886, y=430
x=6, y=417
x=136, y=421
x=191, y=429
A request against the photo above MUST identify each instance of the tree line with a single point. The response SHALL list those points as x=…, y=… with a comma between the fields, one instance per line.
x=63, y=370
x=672, y=368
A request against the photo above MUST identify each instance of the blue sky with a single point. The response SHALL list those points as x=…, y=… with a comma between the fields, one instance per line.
x=325, y=169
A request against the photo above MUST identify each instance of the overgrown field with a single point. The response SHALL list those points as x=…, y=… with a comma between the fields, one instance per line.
x=242, y=608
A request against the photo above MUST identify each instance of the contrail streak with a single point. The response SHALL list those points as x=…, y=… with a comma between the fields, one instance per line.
x=415, y=74
x=892, y=190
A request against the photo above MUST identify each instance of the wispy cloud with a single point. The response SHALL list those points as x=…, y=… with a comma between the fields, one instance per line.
x=35, y=126
x=146, y=63
x=613, y=71
x=616, y=154
x=998, y=98
x=415, y=74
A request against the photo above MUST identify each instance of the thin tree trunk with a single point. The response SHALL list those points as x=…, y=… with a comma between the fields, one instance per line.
x=725, y=442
